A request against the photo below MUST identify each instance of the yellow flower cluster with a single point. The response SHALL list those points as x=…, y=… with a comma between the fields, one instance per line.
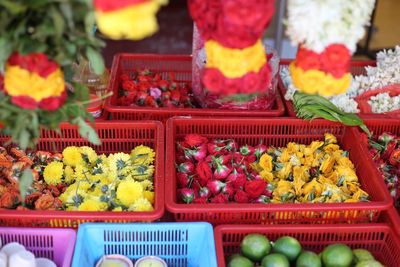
x=318, y=173
x=235, y=63
x=318, y=82
x=95, y=182
x=134, y=22
x=21, y=82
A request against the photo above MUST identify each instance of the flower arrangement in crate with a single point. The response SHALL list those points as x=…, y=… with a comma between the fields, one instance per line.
x=230, y=66
x=326, y=40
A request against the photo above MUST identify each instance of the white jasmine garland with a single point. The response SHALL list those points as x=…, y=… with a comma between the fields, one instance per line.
x=316, y=24
x=383, y=102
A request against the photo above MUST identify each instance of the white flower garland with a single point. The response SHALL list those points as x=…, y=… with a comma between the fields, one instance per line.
x=317, y=24
x=385, y=73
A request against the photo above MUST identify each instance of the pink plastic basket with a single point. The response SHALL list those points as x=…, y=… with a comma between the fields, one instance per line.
x=54, y=244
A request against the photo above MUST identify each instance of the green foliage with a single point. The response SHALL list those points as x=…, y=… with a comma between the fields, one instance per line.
x=63, y=30
x=310, y=107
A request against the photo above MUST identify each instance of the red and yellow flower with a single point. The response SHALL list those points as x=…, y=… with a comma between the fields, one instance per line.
x=34, y=81
x=325, y=73
x=130, y=19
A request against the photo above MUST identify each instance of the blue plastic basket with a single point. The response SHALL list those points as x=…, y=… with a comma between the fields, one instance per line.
x=179, y=244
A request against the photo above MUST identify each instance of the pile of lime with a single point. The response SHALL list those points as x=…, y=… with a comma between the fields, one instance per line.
x=257, y=250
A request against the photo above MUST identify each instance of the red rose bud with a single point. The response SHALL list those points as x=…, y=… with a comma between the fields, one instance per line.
x=222, y=172
x=213, y=148
x=240, y=181
x=259, y=150
x=187, y=195
x=390, y=147
x=263, y=199
x=241, y=197
x=215, y=186
x=386, y=137
x=175, y=96
x=231, y=145
x=186, y=167
x=204, y=192
x=221, y=160
x=193, y=140
x=255, y=188
x=251, y=158
x=204, y=172
x=228, y=190
x=200, y=200
x=220, y=199
x=395, y=157
x=200, y=152
x=183, y=179
x=129, y=86
x=246, y=150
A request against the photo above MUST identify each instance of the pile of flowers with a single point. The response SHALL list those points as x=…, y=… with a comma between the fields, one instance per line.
x=386, y=73
x=327, y=33
x=147, y=88
x=232, y=32
x=80, y=179
x=385, y=151
x=221, y=171
x=130, y=19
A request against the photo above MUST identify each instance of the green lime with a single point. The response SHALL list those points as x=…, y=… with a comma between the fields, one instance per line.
x=337, y=255
x=362, y=255
x=369, y=263
x=255, y=246
x=308, y=259
x=240, y=261
x=287, y=246
x=275, y=260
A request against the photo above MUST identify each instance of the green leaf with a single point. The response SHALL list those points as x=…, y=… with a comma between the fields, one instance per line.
x=25, y=182
x=58, y=21
x=96, y=60
x=6, y=50
x=13, y=7
x=86, y=131
x=24, y=139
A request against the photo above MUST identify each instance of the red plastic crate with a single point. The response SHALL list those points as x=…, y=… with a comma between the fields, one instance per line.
x=356, y=68
x=379, y=239
x=116, y=137
x=181, y=66
x=276, y=132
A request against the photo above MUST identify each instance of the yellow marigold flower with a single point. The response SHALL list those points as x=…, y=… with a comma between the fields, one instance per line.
x=315, y=145
x=267, y=175
x=283, y=191
x=92, y=205
x=53, y=173
x=141, y=204
x=129, y=191
x=149, y=196
x=88, y=154
x=292, y=147
x=330, y=138
x=348, y=174
x=327, y=164
x=331, y=148
x=345, y=162
x=143, y=155
x=315, y=186
x=299, y=178
x=266, y=162
x=69, y=174
x=285, y=156
x=72, y=156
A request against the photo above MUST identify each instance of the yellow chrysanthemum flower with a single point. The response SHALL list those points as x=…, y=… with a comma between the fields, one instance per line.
x=143, y=172
x=69, y=175
x=143, y=155
x=141, y=204
x=147, y=185
x=72, y=156
x=129, y=191
x=149, y=196
x=53, y=173
x=88, y=154
x=266, y=162
x=119, y=163
x=92, y=205
x=117, y=209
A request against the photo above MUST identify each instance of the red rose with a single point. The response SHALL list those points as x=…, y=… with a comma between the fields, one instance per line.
x=53, y=103
x=265, y=77
x=307, y=59
x=220, y=198
x=240, y=181
x=336, y=60
x=34, y=62
x=183, y=179
x=204, y=172
x=213, y=80
x=255, y=188
x=232, y=86
x=193, y=140
x=229, y=190
x=251, y=83
x=241, y=197
x=25, y=102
